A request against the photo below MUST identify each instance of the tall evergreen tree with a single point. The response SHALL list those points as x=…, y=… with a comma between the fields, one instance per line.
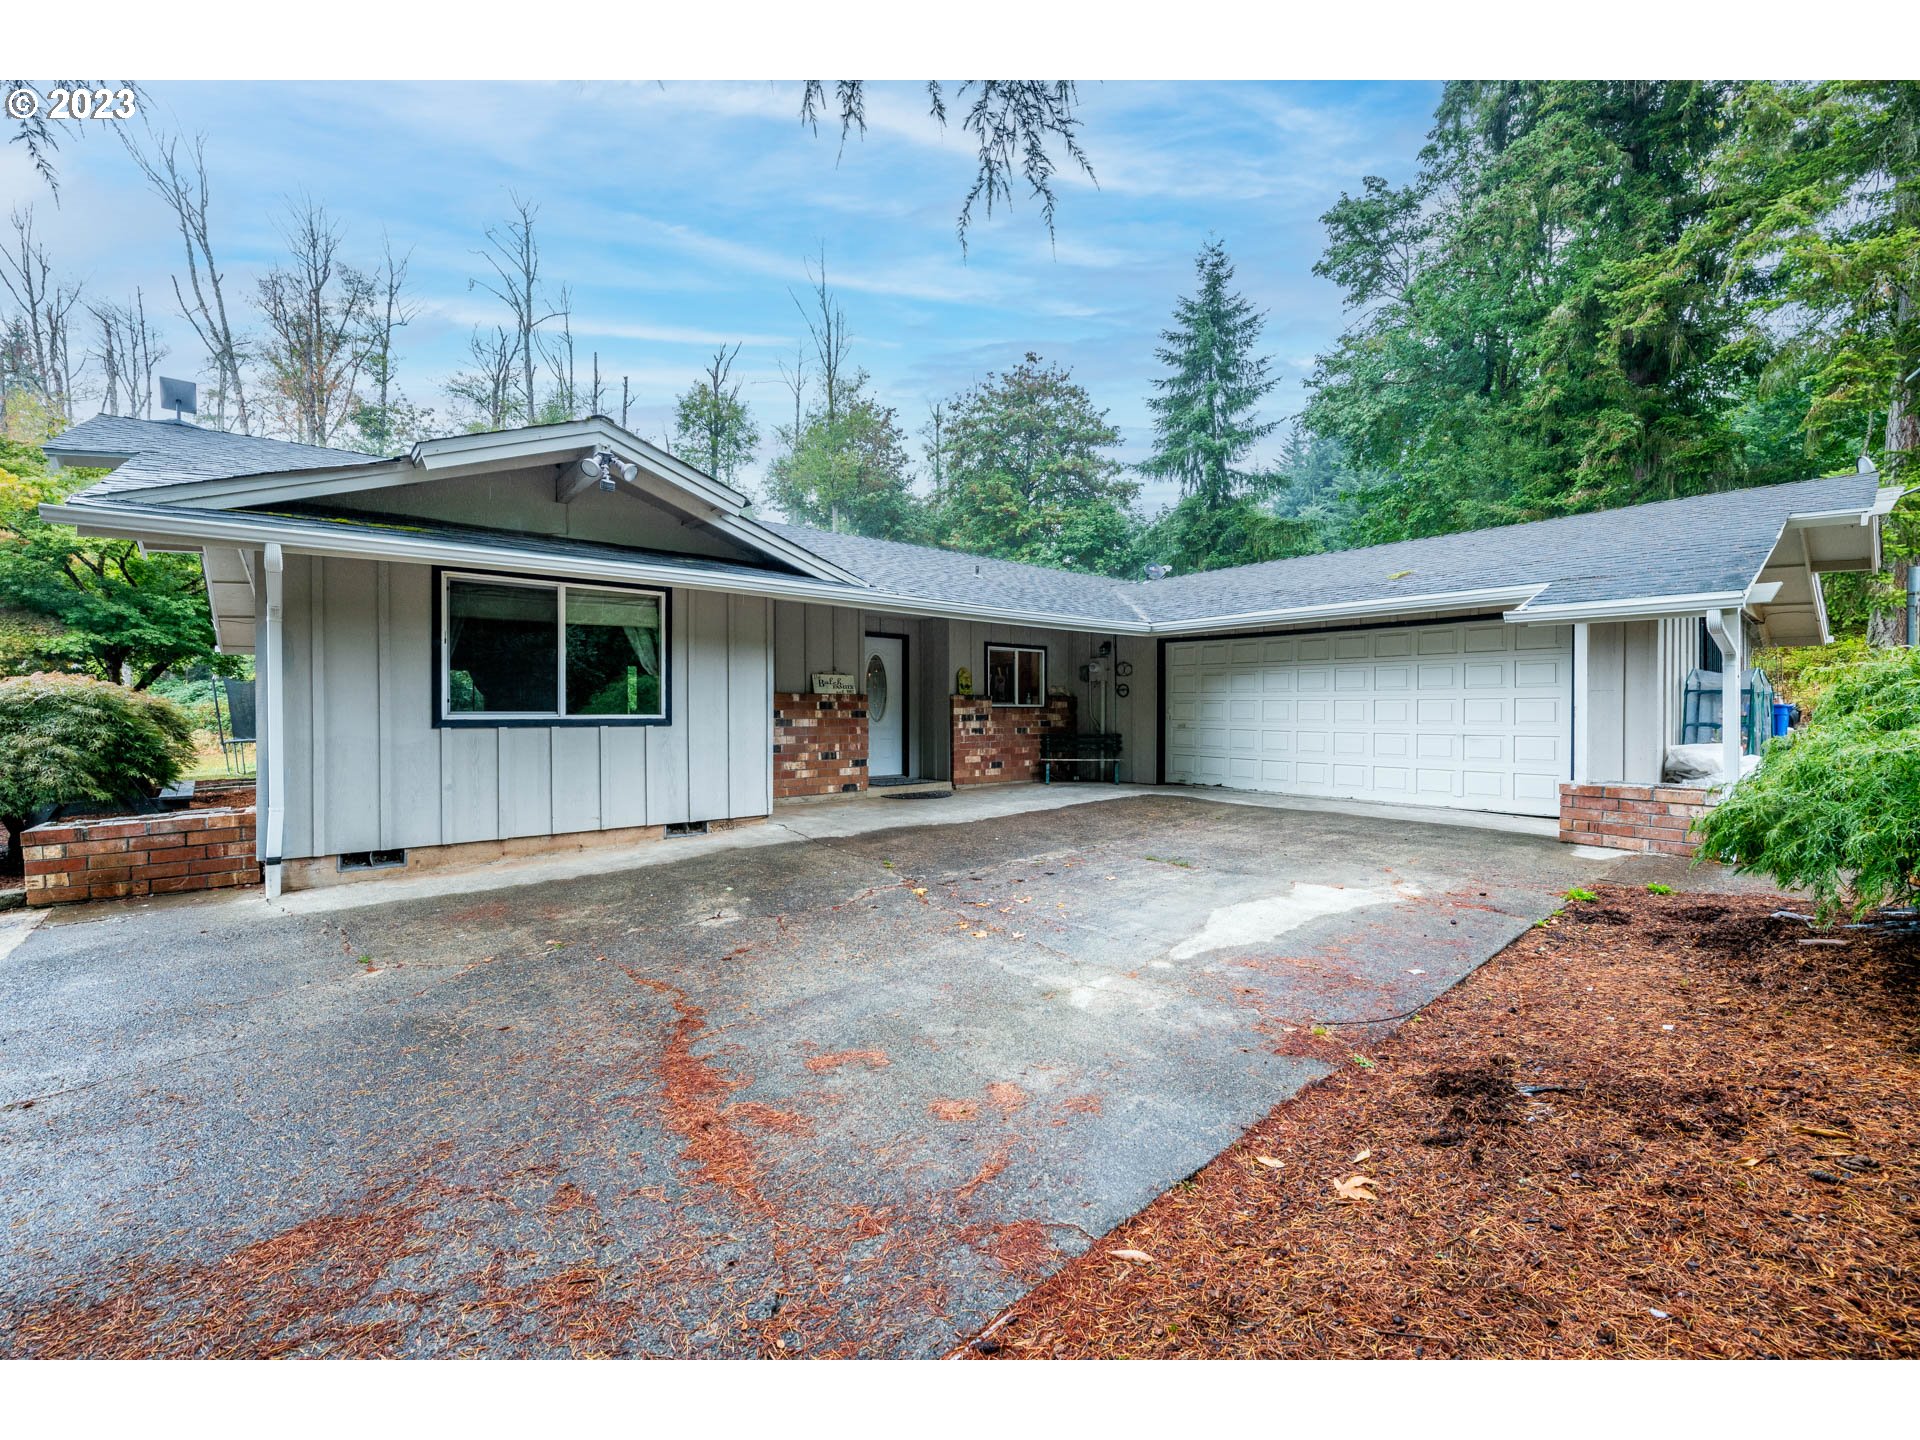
x=1529, y=340
x=1205, y=411
x=1207, y=423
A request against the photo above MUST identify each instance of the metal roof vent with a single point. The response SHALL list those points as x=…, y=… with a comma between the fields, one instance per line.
x=179, y=396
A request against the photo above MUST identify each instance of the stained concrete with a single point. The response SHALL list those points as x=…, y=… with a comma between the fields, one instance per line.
x=852, y=1093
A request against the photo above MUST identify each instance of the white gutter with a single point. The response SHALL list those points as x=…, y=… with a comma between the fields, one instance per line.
x=1350, y=610
x=1637, y=608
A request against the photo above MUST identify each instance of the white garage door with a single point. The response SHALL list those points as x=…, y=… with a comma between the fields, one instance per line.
x=1476, y=715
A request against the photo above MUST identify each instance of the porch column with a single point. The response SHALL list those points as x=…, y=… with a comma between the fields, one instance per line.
x=1724, y=626
x=271, y=758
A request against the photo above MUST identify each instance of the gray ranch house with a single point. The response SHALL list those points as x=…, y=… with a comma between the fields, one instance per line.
x=562, y=636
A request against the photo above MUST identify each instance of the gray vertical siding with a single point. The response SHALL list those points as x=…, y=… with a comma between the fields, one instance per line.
x=367, y=770
x=808, y=639
x=1136, y=718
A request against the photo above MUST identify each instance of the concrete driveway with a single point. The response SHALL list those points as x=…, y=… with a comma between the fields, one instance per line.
x=838, y=1096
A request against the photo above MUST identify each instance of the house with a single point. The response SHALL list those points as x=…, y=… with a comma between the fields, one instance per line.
x=563, y=635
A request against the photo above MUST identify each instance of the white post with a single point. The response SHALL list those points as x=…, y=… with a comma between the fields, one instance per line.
x=1582, y=691
x=272, y=757
x=1724, y=626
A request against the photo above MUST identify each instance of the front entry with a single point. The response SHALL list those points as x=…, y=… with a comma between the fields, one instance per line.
x=884, y=678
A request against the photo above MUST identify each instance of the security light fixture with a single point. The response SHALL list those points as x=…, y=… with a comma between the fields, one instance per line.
x=603, y=468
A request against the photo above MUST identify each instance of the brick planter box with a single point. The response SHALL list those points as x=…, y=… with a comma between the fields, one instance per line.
x=819, y=744
x=992, y=745
x=1652, y=818
x=118, y=858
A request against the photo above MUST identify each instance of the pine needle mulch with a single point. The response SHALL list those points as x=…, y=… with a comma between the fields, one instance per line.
x=1660, y=1126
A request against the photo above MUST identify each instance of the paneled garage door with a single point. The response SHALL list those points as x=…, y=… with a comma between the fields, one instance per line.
x=1475, y=715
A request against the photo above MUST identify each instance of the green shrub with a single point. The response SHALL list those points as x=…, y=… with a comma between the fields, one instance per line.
x=1835, y=807
x=69, y=740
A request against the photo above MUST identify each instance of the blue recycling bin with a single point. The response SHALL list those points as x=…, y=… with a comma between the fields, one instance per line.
x=1782, y=719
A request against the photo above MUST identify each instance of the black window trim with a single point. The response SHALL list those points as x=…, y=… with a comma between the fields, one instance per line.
x=986, y=670
x=521, y=721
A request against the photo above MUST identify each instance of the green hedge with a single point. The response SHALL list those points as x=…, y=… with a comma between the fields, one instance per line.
x=1835, y=807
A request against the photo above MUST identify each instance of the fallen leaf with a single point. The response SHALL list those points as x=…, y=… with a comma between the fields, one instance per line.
x=1138, y=1256
x=979, y=934
x=1363, y=1155
x=1270, y=1162
x=1823, y=1131
x=1355, y=1187
x=920, y=890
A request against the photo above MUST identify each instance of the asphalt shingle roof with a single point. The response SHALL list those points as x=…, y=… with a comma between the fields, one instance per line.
x=159, y=452
x=929, y=574
x=1707, y=544
x=1702, y=545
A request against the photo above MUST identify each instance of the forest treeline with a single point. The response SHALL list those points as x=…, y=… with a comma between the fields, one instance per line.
x=1577, y=295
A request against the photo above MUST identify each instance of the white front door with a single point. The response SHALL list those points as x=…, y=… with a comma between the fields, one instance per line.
x=884, y=679
x=1477, y=715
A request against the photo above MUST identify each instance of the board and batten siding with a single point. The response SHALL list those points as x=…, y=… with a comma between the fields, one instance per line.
x=810, y=640
x=1635, y=681
x=1136, y=717
x=368, y=770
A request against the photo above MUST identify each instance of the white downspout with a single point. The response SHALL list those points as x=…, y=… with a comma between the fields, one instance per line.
x=1724, y=627
x=273, y=764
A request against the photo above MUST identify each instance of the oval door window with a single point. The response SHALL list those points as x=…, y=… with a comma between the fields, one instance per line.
x=876, y=689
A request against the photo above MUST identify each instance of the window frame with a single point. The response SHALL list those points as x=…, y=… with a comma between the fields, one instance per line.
x=1016, y=649
x=443, y=719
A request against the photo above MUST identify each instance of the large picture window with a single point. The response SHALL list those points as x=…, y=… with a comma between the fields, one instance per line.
x=533, y=650
x=1016, y=675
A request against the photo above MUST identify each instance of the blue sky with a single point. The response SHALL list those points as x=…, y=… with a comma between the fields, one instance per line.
x=681, y=215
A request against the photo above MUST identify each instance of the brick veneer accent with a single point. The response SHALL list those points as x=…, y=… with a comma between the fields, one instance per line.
x=993, y=744
x=819, y=744
x=132, y=855
x=1652, y=818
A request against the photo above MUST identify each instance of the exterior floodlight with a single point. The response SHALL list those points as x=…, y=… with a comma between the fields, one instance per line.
x=629, y=472
x=591, y=466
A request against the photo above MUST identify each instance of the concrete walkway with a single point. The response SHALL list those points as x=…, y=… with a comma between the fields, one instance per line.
x=835, y=818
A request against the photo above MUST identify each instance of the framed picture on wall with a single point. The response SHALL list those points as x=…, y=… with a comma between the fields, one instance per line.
x=1016, y=675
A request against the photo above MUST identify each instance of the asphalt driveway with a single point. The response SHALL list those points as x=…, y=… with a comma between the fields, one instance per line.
x=843, y=1096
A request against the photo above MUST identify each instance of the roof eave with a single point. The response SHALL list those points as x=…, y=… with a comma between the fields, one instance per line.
x=319, y=537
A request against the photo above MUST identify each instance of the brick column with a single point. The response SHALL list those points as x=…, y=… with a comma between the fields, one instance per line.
x=1645, y=818
x=996, y=744
x=819, y=744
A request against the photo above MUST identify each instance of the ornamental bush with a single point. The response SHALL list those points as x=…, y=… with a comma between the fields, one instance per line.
x=70, y=740
x=1835, y=806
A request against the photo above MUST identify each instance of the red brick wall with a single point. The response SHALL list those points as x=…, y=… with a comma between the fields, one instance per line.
x=995, y=744
x=1632, y=817
x=819, y=744
x=109, y=859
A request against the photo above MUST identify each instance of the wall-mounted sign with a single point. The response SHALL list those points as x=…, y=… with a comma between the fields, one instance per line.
x=828, y=683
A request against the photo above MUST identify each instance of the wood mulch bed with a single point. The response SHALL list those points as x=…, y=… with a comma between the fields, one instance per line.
x=1659, y=1126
